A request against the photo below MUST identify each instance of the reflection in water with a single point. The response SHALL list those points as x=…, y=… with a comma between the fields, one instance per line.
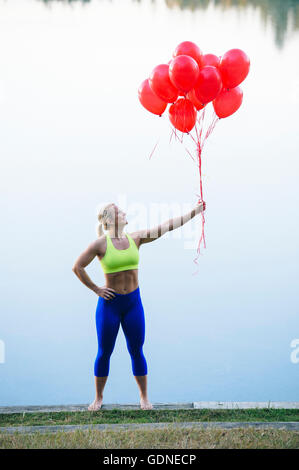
x=282, y=14
x=66, y=1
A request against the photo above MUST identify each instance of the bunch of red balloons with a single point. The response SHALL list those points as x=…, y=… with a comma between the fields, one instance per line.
x=191, y=80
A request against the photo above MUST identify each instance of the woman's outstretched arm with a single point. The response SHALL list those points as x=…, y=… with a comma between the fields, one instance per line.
x=149, y=235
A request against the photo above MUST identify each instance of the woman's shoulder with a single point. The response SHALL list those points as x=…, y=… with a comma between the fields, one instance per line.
x=99, y=245
x=136, y=237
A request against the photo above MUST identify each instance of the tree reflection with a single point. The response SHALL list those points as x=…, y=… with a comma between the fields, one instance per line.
x=281, y=14
x=65, y=1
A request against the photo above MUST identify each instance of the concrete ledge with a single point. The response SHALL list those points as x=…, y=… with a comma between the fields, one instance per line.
x=118, y=406
x=245, y=405
x=212, y=405
x=290, y=426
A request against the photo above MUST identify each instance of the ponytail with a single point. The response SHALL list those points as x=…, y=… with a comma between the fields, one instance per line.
x=103, y=218
x=100, y=231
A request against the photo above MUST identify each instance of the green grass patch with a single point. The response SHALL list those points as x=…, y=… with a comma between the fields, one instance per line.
x=156, y=439
x=146, y=416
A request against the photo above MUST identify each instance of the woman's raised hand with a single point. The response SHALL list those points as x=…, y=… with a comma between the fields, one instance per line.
x=105, y=292
x=200, y=207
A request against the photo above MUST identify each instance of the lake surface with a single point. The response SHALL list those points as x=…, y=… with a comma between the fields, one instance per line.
x=74, y=136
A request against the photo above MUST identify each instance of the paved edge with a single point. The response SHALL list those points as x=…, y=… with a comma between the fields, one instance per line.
x=213, y=405
x=234, y=405
x=118, y=406
x=289, y=426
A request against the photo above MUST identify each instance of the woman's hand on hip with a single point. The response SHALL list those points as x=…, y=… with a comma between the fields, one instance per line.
x=105, y=292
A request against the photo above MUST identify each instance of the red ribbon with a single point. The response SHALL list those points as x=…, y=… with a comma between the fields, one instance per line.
x=200, y=141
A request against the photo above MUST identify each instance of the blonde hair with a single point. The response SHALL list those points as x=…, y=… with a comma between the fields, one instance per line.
x=104, y=217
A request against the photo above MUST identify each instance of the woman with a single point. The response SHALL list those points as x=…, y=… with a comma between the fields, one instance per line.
x=119, y=300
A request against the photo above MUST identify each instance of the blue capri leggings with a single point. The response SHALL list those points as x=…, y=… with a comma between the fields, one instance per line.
x=127, y=310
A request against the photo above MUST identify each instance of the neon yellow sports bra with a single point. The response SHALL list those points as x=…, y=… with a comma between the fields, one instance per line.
x=116, y=260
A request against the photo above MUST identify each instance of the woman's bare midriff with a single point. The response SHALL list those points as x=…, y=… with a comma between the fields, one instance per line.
x=123, y=282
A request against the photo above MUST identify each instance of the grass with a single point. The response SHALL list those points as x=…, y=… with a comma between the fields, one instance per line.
x=167, y=438
x=156, y=439
x=147, y=416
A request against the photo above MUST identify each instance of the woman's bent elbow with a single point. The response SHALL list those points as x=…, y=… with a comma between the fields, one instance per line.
x=75, y=268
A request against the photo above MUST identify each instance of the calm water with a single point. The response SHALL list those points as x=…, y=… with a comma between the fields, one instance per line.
x=73, y=135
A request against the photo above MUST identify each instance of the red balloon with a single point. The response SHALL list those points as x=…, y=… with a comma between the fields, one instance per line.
x=191, y=49
x=182, y=115
x=161, y=85
x=183, y=72
x=210, y=59
x=192, y=97
x=208, y=85
x=228, y=102
x=150, y=100
x=234, y=67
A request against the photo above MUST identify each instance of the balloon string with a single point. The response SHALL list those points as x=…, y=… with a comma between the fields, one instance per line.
x=211, y=127
x=155, y=146
x=202, y=236
x=190, y=154
x=200, y=141
x=171, y=135
x=153, y=149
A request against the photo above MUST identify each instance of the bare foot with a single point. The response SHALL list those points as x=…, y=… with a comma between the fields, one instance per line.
x=96, y=405
x=145, y=404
